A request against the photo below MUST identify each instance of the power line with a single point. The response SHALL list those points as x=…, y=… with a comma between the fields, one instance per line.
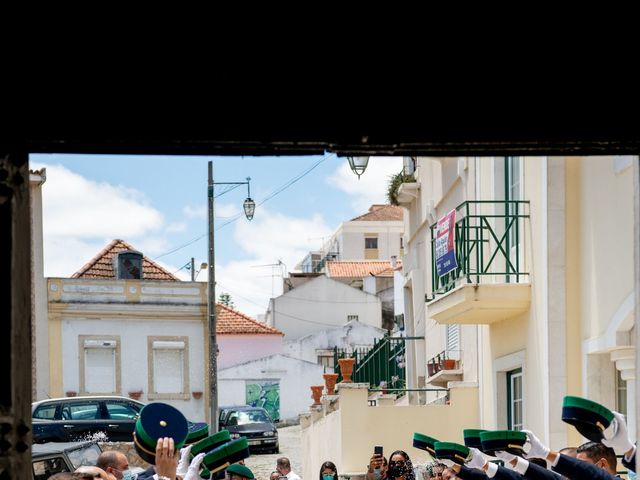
x=269, y=197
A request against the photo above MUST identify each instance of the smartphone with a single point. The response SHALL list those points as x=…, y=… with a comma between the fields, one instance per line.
x=377, y=450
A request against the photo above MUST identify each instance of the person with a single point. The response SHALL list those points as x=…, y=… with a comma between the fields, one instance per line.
x=92, y=472
x=434, y=471
x=274, y=475
x=569, y=451
x=67, y=476
x=283, y=466
x=400, y=466
x=328, y=471
x=114, y=463
x=377, y=468
x=598, y=454
x=167, y=466
x=572, y=468
x=237, y=471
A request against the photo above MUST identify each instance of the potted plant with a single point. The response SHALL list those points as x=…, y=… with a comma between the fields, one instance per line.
x=135, y=394
x=394, y=184
x=316, y=393
x=197, y=395
x=447, y=364
x=346, y=368
x=330, y=382
x=71, y=393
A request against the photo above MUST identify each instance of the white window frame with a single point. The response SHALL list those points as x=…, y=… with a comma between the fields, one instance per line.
x=87, y=342
x=162, y=343
x=501, y=366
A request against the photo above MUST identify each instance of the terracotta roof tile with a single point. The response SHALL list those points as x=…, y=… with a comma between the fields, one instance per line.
x=101, y=266
x=230, y=321
x=359, y=268
x=381, y=213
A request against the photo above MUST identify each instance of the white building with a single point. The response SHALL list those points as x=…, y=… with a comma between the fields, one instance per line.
x=321, y=303
x=318, y=347
x=375, y=235
x=279, y=382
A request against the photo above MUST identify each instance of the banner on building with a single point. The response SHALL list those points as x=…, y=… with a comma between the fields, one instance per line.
x=445, y=244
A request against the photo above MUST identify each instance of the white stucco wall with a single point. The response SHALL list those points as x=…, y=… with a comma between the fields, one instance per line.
x=134, y=369
x=351, y=335
x=352, y=234
x=295, y=377
x=236, y=349
x=319, y=304
x=39, y=291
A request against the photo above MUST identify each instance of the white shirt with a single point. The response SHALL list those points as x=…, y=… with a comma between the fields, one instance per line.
x=292, y=476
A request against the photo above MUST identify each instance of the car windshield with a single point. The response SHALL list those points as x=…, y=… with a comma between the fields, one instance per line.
x=87, y=455
x=248, y=416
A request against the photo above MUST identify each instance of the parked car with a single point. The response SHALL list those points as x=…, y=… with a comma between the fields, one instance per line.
x=76, y=418
x=50, y=458
x=55, y=457
x=253, y=423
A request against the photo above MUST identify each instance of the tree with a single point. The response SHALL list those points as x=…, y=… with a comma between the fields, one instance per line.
x=226, y=300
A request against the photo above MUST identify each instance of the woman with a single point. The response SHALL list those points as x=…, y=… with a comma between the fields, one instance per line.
x=400, y=466
x=328, y=471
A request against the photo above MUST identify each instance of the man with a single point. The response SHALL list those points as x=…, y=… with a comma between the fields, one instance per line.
x=238, y=471
x=87, y=472
x=599, y=455
x=274, y=475
x=114, y=463
x=283, y=466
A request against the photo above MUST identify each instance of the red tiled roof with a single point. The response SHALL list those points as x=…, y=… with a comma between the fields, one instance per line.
x=381, y=213
x=230, y=321
x=101, y=266
x=359, y=268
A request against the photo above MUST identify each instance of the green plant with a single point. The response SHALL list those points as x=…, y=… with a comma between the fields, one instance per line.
x=394, y=183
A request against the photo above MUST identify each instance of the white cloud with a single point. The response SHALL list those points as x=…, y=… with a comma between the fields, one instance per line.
x=197, y=211
x=81, y=216
x=270, y=237
x=227, y=210
x=176, y=227
x=74, y=205
x=372, y=186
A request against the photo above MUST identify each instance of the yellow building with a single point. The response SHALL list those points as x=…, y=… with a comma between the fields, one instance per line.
x=540, y=305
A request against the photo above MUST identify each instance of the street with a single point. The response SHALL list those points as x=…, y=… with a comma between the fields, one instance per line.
x=290, y=446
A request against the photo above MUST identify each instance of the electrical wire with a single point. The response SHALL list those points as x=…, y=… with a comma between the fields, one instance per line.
x=268, y=197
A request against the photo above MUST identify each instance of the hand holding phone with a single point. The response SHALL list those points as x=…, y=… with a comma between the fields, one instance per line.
x=377, y=450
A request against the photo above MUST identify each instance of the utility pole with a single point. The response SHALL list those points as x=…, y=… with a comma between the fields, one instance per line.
x=213, y=345
x=193, y=270
x=249, y=207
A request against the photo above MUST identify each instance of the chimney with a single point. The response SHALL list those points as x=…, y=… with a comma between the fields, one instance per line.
x=127, y=265
x=394, y=261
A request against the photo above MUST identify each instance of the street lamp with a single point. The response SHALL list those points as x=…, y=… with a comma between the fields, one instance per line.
x=249, y=207
x=358, y=165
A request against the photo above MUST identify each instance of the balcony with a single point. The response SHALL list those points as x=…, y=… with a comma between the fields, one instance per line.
x=445, y=367
x=490, y=283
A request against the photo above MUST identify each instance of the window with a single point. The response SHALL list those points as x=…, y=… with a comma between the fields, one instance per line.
x=169, y=368
x=371, y=242
x=453, y=338
x=621, y=394
x=401, y=243
x=81, y=411
x=352, y=318
x=514, y=400
x=45, y=412
x=325, y=358
x=121, y=411
x=99, y=364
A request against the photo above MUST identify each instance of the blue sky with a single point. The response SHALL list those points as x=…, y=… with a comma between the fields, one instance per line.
x=159, y=203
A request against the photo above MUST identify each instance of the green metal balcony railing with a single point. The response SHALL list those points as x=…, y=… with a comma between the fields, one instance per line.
x=381, y=366
x=488, y=244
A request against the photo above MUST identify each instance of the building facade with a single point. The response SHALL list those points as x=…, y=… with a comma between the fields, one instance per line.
x=541, y=302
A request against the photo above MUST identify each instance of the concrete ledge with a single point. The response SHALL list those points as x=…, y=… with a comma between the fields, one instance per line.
x=351, y=386
x=480, y=304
